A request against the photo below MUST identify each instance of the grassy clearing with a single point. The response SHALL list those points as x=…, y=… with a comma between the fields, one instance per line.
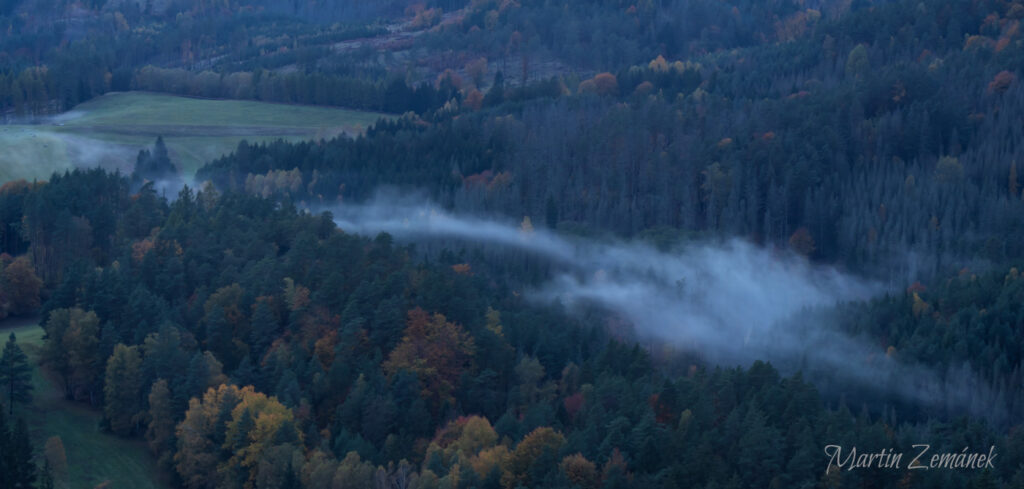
x=93, y=457
x=110, y=130
x=147, y=109
x=29, y=153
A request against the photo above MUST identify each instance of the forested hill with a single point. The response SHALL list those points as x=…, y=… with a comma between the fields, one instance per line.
x=253, y=345
x=886, y=140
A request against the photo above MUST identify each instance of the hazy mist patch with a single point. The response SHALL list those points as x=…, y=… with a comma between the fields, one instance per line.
x=729, y=302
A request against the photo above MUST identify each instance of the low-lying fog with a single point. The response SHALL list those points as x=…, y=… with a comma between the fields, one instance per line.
x=729, y=302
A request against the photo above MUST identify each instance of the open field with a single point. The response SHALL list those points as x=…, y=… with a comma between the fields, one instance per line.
x=110, y=130
x=94, y=457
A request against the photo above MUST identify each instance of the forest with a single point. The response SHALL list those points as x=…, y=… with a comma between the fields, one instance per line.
x=526, y=273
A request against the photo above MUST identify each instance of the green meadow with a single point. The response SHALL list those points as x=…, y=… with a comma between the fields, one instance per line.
x=110, y=130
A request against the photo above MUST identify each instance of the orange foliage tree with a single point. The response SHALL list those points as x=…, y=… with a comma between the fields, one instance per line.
x=434, y=349
x=1001, y=82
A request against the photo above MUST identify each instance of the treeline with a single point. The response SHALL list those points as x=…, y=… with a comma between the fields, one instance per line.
x=312, y=358
x=301, y=88
x=235, y=53
x=611, y=35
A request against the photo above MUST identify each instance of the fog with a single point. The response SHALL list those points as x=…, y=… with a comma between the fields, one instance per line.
x=86, y=152
x=728, y=303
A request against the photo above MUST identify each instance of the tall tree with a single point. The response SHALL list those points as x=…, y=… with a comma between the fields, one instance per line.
x=21, y=471
x=15, y=374
x=21, y=287
x=121, y=389
x=160, y=431
x=264, y=330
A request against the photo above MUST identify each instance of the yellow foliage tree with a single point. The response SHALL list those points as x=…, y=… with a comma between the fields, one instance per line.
x=534, y=445
x=257, y=423
x=580, y=471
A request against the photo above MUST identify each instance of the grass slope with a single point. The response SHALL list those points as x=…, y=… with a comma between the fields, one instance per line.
x=110, y=130
x=94, y=457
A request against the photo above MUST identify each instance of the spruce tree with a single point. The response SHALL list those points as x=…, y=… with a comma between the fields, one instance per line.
x=15, y=374
x=6, y=475
x=21, y=469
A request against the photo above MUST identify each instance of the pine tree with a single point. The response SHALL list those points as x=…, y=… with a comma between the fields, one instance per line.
x=264, y=330
x=218, y=335
x=20, y=466
x=6, y=474
x=15, y=374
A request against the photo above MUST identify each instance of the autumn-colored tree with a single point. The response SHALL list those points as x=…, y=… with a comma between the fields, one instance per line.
x=526, y=227
x=474, y=99
x=296, y=297
x=434, y=349
x=949, y=170
x=468, y=435
x=534, y=445
x=426, y=18
x=580, y=471
x=54, y=354
x=919, y=306
x=587, y=86
x=606, y=84
x=493, y=458
x=160, y=430
x=857, y=63
x=658, y=64
x=229, y=298
x=448, y=78
x=205, y=422
x=615, y=472
x=56, y=457
x=258, y=423
x=802, y=242
x=72, y=349
x=121, y=389
x=20, y=287
x=477, y=69
x=477, y=434
x=644, y=89
x=1001, y=82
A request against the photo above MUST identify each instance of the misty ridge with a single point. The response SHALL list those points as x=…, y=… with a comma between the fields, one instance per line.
x=729, y=302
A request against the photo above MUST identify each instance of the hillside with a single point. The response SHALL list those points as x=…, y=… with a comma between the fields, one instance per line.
x=505, y=244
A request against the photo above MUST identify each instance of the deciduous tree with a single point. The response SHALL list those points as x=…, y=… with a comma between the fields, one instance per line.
x=436, y=350
x=121, y=389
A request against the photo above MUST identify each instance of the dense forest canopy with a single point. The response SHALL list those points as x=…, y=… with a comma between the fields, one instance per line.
x=678, y=243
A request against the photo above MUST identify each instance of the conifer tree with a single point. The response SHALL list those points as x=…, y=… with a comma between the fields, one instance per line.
x=15, y=374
